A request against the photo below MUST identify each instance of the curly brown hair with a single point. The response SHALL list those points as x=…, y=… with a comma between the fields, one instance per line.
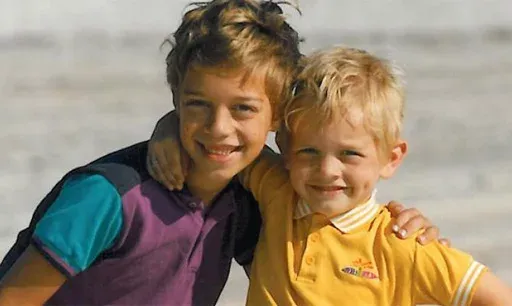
x=245, y=35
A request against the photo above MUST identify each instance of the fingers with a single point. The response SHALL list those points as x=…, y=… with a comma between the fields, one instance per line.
x=406, y=220
x=409, y=221
x=169, y=156
x=429, y=235
x=395, y=208
x=413, y=224
x=445, y=241
x=149, y=167
x=170, y=151
x=155, y=170
x=159, y=167
x=164, y=161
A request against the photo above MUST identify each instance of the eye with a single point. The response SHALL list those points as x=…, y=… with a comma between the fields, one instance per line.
x=244, y=108
x=351, y=153
x=308, y=151
x=196, y=103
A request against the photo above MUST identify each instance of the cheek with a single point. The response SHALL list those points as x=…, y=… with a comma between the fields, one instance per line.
x=300, y=171
x=366, y=176
x=194, y=116
x=255, y=132
x=192, y=120
x=259, y=126
x=187, y=130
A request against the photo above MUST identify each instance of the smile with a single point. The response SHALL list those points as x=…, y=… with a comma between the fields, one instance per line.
x=220, y=153
x=328, y=188
x=328, y=192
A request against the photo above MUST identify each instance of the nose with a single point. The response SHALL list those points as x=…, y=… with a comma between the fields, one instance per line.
x=330, y=167
x=220, y=123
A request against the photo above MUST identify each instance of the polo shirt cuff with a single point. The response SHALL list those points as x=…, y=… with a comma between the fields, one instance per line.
x=53, y=258
x=469, y=283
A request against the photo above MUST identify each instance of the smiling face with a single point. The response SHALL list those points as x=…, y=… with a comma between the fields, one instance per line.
x=224, y=121
x=334, y=167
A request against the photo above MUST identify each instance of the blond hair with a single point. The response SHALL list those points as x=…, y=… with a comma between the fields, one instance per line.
x=339, y=81
x=233, y=34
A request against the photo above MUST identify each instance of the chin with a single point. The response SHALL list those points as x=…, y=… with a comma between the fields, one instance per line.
x=222, y=173
x=336, y=211
x=332, y=208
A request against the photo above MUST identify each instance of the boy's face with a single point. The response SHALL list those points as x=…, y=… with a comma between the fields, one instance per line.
x=334, y=167
x=223, y=122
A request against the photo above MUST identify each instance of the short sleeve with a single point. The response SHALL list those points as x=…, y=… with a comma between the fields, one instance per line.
x=444, y=276
x=83, y=221
x=264, y=177
x=248, y=227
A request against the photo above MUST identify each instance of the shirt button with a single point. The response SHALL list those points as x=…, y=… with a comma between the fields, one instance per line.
x=192, y=205
x=310, y=260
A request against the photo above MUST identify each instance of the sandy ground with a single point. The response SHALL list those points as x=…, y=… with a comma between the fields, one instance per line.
x=65, y=104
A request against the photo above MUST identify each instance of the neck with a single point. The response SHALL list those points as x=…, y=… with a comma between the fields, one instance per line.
x=205, y=187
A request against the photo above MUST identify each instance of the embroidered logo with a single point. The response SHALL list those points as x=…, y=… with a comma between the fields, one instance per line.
x=361, y=268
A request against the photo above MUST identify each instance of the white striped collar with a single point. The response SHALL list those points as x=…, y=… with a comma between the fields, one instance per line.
x=348, y=221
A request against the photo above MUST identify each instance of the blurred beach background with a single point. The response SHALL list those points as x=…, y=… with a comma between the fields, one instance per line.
x=79, y=79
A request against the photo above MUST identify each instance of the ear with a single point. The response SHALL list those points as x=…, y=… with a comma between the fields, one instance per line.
x=394, y=160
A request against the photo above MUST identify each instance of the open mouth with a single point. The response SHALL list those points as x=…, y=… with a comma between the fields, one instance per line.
x=328, y=188
x=328, y=191
x=220, y=153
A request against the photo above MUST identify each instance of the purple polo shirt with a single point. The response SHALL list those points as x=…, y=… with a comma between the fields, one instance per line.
x=170, y=250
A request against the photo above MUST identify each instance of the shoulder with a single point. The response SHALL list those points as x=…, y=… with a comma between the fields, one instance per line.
x=265, y=176
x=93, y=187
x=133, y=156
x=400, y=250
x=272, y=169
x=86, y=193
x=121, y=176
x=124, y=168
x=86, y=185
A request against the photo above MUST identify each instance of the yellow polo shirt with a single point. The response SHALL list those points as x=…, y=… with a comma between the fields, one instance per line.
x=353, y=259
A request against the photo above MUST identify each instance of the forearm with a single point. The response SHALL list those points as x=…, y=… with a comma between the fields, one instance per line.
x=492, y=291
x=32, y=280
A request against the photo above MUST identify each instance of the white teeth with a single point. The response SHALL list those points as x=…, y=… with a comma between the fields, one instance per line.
x=225, y=153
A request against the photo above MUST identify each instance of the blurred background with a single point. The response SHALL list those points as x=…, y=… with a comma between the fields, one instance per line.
x=81, y=78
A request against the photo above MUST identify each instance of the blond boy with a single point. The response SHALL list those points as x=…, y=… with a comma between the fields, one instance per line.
x=325, y=239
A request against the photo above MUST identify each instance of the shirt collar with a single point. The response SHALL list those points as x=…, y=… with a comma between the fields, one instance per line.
x=348, y=221
x=222, y=205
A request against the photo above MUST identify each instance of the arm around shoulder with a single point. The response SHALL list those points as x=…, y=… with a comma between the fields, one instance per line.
x=32, y=280
x=491, y=291
x=269, y=164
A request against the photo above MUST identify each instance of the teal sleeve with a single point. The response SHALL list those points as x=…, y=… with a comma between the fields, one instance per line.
x=82, y=222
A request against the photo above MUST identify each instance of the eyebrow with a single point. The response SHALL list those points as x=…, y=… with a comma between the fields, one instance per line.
x=242, y=98
x=351, y=144
x=192, y=92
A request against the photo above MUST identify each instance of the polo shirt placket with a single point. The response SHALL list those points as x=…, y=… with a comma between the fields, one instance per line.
x=312, y=256
x=206, y=218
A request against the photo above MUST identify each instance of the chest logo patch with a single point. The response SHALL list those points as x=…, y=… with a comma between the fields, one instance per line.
x=361, y=268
